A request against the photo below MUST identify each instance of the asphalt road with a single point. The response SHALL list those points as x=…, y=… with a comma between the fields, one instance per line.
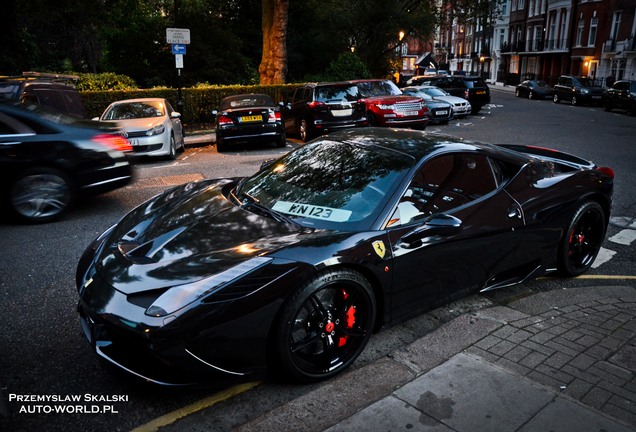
x=43, y=352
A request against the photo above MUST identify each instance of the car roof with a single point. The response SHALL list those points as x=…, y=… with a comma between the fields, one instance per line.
x=417, y=144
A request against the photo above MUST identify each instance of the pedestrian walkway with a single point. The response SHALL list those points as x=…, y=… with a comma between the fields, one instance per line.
x=556, y=361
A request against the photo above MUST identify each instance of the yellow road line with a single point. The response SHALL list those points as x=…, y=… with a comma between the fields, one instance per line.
x=616, y=277
x=172, y=417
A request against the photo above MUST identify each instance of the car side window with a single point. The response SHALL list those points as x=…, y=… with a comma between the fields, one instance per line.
x=445, y=183
x=11, y=126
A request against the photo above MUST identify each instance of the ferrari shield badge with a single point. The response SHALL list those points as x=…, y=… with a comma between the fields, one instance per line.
x=379, y=248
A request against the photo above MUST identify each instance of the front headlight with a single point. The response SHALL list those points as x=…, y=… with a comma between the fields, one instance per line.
x=585, y=91
x=157, y=130
x=386, y=107
x=177, y=297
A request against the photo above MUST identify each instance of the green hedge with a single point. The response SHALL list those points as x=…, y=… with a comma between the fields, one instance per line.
x=198, y=102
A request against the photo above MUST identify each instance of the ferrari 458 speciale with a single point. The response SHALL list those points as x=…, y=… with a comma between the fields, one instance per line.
x=292, y=269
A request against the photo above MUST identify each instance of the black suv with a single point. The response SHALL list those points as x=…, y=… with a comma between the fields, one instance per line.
x=577, y=90
x=622, y=95
x=53, y=92
x=316, y=108
x=472, y=88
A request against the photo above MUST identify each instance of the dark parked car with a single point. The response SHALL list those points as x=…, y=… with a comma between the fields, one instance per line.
x=472, y=88
x=47, y=161
x=53, y=92
x=294, y=267
x=248, y=118
x=441, y=111
x=317, y=108
x=577, y=90
x=387, y=106
x=621, y=95
x=534, y=89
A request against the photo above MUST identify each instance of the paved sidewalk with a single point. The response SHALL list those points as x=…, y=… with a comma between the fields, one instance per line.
x=556, y=361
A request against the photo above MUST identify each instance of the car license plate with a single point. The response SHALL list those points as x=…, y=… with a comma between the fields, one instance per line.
x=133, y=142
x=409, y=113
x=248, y=119
x=596, y=97
x=443, y=112
x=342, y=112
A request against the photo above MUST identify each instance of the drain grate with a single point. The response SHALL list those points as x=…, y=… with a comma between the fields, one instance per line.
x=168, y=180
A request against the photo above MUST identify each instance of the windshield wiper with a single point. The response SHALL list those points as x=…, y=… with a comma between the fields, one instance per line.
x=247, y=200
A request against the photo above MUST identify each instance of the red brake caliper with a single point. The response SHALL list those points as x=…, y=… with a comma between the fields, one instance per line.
x=350, y=319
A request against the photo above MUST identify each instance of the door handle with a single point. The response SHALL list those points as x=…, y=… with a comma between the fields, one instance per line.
x=514, y=213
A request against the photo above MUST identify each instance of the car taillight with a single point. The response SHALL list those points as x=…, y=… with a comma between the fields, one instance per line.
x=274, y=117
x=466, y=94
x=114, y=141
x=606, y=170
x=225, y=121
x=315, y=104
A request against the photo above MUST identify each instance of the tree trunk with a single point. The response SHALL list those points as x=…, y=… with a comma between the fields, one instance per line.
x=273, y=67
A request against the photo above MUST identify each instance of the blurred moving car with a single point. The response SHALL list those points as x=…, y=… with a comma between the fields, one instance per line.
x=534, y=89
x=577, y=90
x=47, y=161
x=472, y=88
x=621, y=95
x=151, y=125
x=461, y=107
x=441, y=111
x=294, y=267
x=387, y=106
x=317, y=108
x=248, y=118
x=54, y=92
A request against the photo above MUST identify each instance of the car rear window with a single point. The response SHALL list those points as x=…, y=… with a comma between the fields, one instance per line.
x=247, y=101
x=337, y=94
x=472, y=83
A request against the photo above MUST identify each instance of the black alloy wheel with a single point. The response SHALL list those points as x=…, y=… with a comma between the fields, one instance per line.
x=583, y=239
x=517, y=92
x=325, y=325
x=530, y=95
x=304, y=131
x=556, y=98
x=574, y=101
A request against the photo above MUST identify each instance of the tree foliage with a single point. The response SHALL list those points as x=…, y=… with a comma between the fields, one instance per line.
x=128, y=37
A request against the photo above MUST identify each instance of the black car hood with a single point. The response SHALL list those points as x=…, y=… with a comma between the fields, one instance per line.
x=186, y=234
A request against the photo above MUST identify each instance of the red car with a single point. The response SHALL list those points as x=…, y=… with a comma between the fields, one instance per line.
x=387, y=106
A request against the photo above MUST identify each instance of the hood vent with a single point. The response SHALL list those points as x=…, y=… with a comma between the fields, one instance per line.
x=144, y=253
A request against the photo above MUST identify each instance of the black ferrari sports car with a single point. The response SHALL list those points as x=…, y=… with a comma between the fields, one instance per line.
x=293, y=268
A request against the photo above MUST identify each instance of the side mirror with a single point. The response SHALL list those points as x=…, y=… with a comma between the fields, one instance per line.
x=175, y=114
x=266, y=163
x=95, y=118
x=436, y=225
x=214, y=113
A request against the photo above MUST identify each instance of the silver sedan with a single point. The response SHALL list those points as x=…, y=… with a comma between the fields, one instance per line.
x=151, y=125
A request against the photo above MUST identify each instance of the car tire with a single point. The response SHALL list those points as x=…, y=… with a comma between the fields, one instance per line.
x=517, y=93
x=530, y=95
x=371, y=119
x=574, y=101
x=556, y=98
x=172, y=151
x=220, y=145
x=324, y=326
x=281, y=141
x=41, y=194
x=304, y=130
x=582, y=240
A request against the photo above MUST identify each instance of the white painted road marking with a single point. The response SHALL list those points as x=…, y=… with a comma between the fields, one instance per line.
x=624, y=237
x=604, y=255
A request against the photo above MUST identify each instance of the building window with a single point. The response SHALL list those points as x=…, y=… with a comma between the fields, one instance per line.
x=536, y=40
x=553, y=34
x=616, y=24
x=579, y=33
x=520, y=5
x=593, y=26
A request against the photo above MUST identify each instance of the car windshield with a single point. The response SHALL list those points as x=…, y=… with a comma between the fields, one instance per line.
x=247, y=101
x=418, y=93
x=329, y=184
x=435, y=92
x=378, y=88
x=135, y=110
x=9, y=91
x=585, y=82
x=337, y=94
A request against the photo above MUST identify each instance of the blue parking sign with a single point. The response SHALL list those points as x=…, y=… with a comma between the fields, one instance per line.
x=178, y=49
